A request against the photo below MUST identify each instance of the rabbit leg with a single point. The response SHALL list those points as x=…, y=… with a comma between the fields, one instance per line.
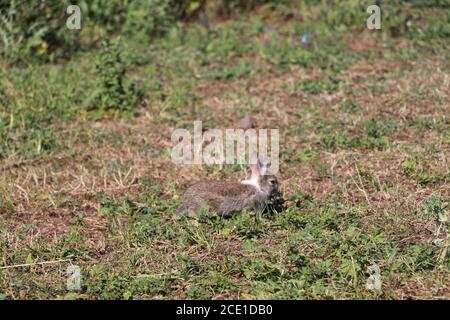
x=231, y=206
x=192, y=210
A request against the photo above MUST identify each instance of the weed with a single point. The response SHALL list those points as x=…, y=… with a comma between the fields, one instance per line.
x=111, y=92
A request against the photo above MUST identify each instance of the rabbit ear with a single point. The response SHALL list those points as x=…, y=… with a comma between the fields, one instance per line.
x=254, y=165
x=262, y=165
x=258, y=165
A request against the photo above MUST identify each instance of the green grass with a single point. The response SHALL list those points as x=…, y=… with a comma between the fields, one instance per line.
x=315, y=250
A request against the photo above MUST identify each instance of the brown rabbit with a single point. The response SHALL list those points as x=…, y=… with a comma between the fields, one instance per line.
x=229, y=198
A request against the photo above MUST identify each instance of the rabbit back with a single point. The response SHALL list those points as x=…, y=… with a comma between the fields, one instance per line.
x=224, y=198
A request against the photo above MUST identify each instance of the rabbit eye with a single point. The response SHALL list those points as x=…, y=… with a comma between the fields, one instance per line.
x=272, y=181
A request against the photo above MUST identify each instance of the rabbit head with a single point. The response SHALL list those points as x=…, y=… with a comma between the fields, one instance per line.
x=260, y=178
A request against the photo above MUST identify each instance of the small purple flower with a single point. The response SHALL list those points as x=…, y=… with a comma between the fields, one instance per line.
x=314, y=35
x=296, y=41
x=138, y=84
x=162, y=78
x=304, y=42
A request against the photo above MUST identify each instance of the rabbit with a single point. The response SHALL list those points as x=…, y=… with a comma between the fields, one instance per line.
x=230, y=198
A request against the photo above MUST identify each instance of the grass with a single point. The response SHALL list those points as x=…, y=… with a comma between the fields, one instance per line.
x=363, y=119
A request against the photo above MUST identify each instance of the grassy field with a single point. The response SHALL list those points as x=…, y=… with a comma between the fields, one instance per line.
x=87, y=178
